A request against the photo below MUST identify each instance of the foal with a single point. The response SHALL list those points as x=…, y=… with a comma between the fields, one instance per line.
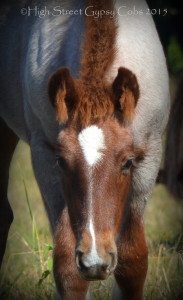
x=111, y=104
x=98, y=233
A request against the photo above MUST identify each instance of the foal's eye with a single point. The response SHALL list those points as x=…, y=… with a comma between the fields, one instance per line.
x=61, y=162
x=127, y=166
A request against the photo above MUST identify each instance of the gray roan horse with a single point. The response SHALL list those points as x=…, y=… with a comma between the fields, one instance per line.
x=86, y=84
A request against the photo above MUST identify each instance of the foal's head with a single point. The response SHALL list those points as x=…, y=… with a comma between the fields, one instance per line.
x=96, y=155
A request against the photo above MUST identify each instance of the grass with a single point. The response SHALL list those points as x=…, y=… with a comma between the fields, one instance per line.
x=26, y=270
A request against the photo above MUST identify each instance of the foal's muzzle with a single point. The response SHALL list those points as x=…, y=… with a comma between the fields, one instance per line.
x=96, y=271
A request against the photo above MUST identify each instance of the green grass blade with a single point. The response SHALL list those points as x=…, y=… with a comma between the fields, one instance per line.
x=27, y=198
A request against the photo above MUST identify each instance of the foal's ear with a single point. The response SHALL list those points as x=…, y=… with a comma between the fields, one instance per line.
x=125, y=90
x=62, y=93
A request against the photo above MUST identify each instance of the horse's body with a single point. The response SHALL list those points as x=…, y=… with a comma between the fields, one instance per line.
x=31, y=49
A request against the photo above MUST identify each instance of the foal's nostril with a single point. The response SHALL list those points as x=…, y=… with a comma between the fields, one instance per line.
x=105, y=269
x=113, y=263
x=80, y=262
x=79, y=255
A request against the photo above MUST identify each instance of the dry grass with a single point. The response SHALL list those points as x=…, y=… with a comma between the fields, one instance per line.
x=26, y=270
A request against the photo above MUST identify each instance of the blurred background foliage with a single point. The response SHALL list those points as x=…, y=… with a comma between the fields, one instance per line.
x=170, y=29
x=175, y=56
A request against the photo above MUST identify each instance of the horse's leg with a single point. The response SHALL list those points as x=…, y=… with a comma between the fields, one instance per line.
x=132, y=263
x=69, y=283
x=48, y=177
x=8, y=142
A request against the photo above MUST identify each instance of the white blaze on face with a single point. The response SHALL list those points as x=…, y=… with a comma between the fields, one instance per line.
x=92, y=258
x=91, y=140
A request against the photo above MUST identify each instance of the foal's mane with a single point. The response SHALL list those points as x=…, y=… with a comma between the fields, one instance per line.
x=98, y=48
x=98, y=51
